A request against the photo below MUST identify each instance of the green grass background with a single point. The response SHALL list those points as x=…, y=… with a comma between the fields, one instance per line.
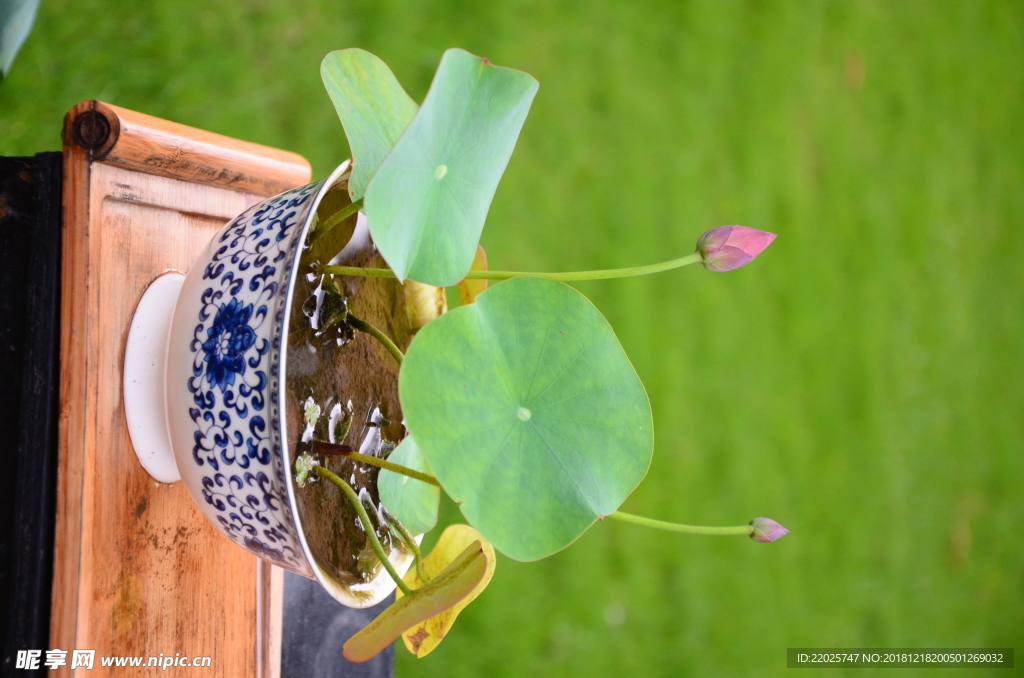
x=861, y=382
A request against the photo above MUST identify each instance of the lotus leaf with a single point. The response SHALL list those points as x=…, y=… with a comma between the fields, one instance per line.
x=444, y=591
x=412, y=501
x=373, y=107
x=529, y=414
x=427, y=202
x=425, y=636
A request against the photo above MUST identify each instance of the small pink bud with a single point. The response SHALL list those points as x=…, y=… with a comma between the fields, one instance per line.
x=767, y=530
x=728, y=247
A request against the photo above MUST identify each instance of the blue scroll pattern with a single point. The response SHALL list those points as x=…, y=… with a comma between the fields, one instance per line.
x=234, y=382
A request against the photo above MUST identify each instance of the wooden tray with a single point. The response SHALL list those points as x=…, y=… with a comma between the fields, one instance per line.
x=137, y=570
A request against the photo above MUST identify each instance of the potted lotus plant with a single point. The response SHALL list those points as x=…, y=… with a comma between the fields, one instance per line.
x=520, y=404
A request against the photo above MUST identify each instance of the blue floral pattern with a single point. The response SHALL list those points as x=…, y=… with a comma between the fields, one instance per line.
x=229, y=338
x=234, y=382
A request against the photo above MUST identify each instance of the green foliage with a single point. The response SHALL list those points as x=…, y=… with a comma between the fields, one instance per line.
x=310, y=412
x=427, y=202
x=304, y=463
x=412, y=501
x=529, y=413
x=373, y=107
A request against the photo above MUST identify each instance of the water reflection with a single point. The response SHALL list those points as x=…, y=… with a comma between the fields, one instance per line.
x=342, y=388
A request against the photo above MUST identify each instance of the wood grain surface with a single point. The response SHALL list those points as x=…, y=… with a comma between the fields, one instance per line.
x=137, y=570
x=117, y=136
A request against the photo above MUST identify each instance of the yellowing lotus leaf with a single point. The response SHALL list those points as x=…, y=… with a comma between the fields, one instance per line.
x=452, y=585
x=425, y=636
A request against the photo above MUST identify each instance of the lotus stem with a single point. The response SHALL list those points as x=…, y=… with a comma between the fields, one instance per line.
x=364, y=326
x=411, y=541
x=338, y=217
x=334, y=450
x=677, y=527
x=570, y=276
x=367, y=525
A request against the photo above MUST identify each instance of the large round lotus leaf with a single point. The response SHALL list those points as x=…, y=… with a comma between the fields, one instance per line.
x=529, y=414
x=427, y=202
x=373, y=107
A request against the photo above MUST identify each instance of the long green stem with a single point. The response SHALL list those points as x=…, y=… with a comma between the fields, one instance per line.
x=384, y=339
x=676, y=527
x=569, y=276
x=367, y=525
x=338, y=217
x=415, y=548
x=345, y=451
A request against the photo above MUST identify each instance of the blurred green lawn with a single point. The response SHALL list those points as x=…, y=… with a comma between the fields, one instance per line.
x=861, y=382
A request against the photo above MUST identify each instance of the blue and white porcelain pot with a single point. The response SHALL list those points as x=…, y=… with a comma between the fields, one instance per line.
x=223, y=392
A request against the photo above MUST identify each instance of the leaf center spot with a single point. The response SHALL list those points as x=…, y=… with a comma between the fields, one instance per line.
x=524, y=414
x=440, y=171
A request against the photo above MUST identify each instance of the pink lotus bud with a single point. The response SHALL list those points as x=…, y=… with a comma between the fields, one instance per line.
x=728, y=247
x=767, y=530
